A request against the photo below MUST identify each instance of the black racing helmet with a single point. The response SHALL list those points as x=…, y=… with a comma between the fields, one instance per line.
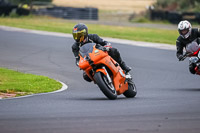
x=80, y=32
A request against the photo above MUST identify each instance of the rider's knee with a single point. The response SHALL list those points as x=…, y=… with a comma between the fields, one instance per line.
x=114, y=53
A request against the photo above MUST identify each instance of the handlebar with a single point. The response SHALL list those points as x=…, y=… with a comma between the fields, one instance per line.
x=186, y=55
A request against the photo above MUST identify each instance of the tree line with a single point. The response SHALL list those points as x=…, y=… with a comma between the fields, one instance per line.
x=178, y=5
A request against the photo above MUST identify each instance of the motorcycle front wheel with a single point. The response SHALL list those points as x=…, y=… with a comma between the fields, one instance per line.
x=107, y=88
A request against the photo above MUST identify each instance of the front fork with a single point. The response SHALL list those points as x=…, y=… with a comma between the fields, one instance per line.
x=107, y=75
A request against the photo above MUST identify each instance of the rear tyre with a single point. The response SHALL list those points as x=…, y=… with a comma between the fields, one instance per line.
x=107, y=88
x=131, y=92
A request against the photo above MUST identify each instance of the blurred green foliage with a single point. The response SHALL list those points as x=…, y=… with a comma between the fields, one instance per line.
x=178, y=5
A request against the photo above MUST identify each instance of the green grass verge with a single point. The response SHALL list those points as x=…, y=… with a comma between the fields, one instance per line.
x=64, y=26
x=24, y=84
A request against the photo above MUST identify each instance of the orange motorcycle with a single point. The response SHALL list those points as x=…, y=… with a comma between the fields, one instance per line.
x=105, y=72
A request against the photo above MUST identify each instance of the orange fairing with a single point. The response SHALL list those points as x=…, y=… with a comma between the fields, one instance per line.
x=119, y=83
x=84, y=64
x=118, y=75
x=99, y=57
x=95, y=56
x=102, y=71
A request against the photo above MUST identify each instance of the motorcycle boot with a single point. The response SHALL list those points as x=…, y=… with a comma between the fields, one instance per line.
x=125, y=67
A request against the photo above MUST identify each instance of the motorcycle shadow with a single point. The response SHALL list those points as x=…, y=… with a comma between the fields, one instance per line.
x=189, y=89
x=104, y=99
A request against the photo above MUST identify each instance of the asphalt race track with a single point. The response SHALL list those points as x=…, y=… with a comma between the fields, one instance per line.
x=168, y=99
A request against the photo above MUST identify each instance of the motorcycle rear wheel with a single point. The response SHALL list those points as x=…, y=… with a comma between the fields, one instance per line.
x=107, y=88
x=131, y=92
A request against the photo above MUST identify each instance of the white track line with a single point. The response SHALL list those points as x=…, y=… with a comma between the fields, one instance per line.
x=114, y=40
x=142, y=44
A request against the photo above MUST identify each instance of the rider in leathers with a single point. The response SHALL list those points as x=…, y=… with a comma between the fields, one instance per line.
x=81, y=37
x=187, y=36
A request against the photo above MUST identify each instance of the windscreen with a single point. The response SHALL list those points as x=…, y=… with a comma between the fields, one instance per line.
x=86, y=49
x=192, y=47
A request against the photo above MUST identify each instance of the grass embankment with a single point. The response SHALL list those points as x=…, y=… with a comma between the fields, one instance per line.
x=64, y=26
x=19, y=84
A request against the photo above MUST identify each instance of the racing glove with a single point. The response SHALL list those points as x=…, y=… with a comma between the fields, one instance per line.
x=107, y=47
x=104, y=48
x=98, y=46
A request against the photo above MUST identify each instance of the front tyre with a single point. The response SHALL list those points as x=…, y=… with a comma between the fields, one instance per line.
x=131, y=92
x=107, y=88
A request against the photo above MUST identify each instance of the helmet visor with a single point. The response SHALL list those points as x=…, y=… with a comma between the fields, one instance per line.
x=78, y=35
x=184, y=32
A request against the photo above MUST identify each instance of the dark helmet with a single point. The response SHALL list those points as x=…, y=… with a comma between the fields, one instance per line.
x=80, y=32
